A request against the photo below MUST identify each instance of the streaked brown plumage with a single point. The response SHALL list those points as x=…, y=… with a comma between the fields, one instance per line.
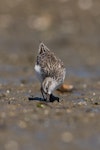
x=50, y=70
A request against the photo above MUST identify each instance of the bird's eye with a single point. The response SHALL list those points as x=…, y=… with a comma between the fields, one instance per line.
x=47, y=89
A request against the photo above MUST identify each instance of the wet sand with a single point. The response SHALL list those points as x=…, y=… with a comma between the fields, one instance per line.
x=26, y=121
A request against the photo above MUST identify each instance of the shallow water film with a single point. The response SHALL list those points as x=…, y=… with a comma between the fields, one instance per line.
x=72, y=30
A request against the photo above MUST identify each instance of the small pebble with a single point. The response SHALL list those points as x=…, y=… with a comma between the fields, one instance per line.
x=21, y=84
x=82, y=103
x=40, y=105
x=94, y=93
x=84, y=86
x=46, y=112
x=30, y=91
x=68, y=110
x=67, y=137
x=96, y=103
x=8, y=91
x=22, y=124
x=34, y=22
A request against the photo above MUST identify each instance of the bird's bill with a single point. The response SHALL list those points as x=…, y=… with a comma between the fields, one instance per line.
x=47, y=97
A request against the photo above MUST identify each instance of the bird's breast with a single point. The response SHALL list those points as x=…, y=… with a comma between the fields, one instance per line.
x=37, y=69
x=38, y=72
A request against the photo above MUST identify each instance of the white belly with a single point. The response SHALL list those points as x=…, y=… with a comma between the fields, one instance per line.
x=38, y=72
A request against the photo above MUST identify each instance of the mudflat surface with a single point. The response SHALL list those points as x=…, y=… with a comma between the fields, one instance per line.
x=72, y=31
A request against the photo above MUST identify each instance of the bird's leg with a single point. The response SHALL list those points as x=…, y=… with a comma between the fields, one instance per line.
x=42, y=93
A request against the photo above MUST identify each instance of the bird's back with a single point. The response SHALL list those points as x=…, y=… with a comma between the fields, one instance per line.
x=50, y=65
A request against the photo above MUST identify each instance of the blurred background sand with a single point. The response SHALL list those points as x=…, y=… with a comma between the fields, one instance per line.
x=71, y=28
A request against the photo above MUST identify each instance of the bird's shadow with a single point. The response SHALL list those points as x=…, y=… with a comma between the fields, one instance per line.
x=52, y=98
x=31, y=98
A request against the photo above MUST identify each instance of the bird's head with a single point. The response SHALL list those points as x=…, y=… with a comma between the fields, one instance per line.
x=48, y=86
